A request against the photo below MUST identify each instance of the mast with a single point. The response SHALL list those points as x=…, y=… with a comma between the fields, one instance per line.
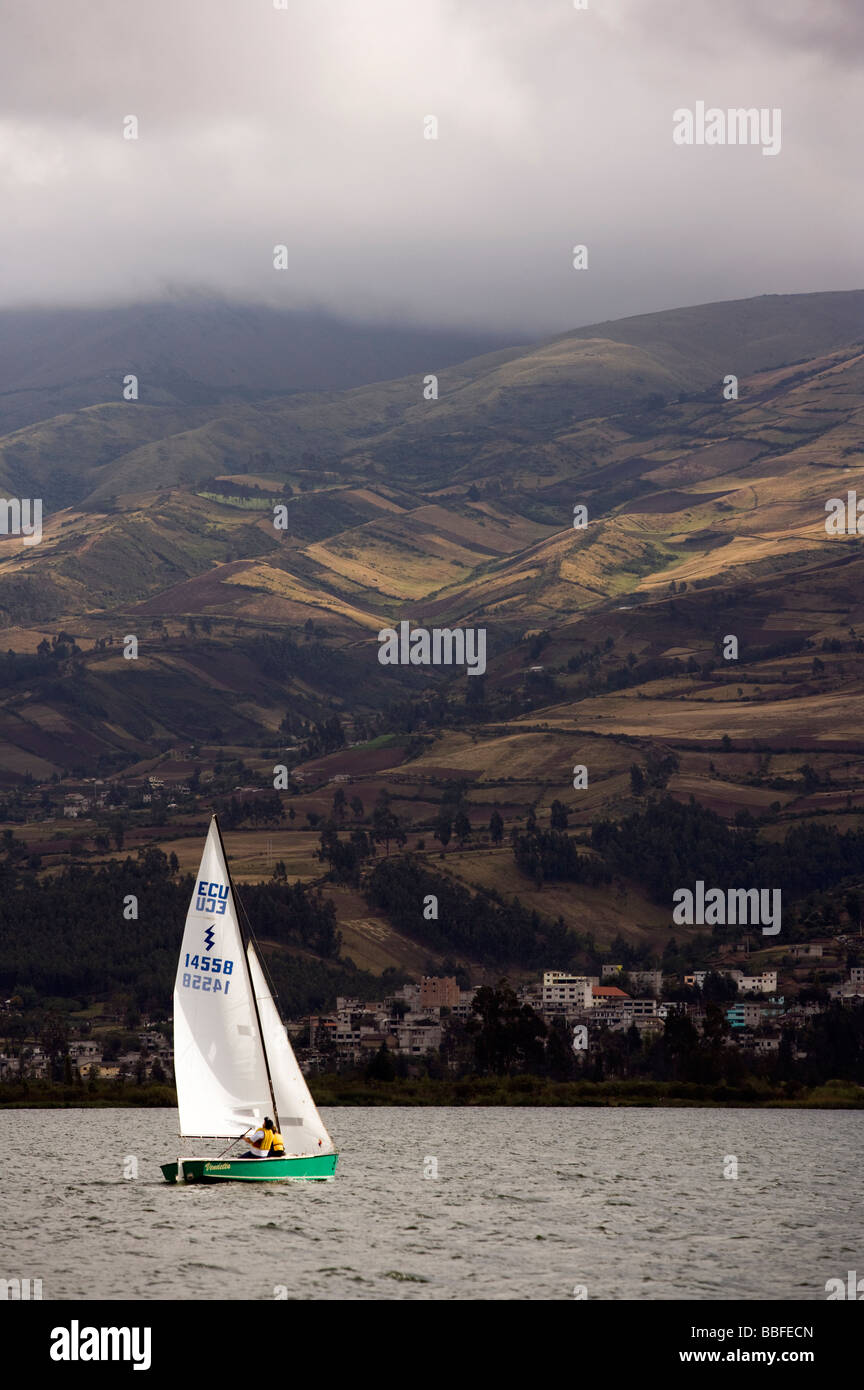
x=245, y=955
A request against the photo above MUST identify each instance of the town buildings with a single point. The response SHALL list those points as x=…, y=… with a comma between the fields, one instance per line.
x=763, y=983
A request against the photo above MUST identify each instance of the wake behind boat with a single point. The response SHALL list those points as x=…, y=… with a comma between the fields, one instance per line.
x=233, y=1063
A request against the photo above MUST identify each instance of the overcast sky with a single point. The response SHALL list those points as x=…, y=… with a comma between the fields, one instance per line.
x=261, y=126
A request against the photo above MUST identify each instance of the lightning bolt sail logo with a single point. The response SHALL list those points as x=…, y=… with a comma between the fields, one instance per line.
x=209, y=937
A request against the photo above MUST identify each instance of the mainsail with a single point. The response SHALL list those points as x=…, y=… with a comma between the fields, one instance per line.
x=233, y=1062
x=220, y=1066
x=301, y=1125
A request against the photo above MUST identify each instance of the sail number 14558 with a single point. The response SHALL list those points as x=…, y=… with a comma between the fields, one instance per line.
x=212, y=967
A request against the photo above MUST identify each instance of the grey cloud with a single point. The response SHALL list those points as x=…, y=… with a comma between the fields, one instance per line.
x=831, y=31
x=304, y=127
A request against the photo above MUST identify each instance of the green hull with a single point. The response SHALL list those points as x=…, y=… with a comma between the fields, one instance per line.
x=316, y=1166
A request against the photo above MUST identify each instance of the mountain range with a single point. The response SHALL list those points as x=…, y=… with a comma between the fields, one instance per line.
x=434, y=478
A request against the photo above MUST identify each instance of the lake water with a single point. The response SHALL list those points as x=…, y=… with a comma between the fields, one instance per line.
x=527, y=1204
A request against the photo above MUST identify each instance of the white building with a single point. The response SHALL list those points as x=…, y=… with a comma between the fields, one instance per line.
x=637, y=1008
x=417, y=1034
x=847, y=992
x=766, y=983
x=562, y=991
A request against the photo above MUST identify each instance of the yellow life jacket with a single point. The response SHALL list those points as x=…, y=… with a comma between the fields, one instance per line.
x=277, y=1145
x=262, y=1145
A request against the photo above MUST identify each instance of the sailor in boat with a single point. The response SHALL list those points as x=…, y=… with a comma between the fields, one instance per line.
x=277, y=1148
x=260, y=1140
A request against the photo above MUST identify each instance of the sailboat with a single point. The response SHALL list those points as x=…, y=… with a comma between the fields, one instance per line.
x=233, y=1063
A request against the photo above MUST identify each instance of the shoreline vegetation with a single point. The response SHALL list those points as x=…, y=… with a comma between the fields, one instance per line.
x=336, y=1090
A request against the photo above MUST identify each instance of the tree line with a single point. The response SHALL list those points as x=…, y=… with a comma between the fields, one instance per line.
x=66, y=936
x=669, y=845
x=552, y=854
x=481, y=926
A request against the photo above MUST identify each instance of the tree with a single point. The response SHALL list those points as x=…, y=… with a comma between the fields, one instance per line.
x=558, y=816
x=385, y=823
x=508, y=1036
x=560, y=1060
x=718, y=987
x=852, y=904
x=679, y=1044
x=54, y=1038
x=634, y=1039
x=637, y=779
x=462, y=827
x=381, y=1066
x=810, y=778
x=443, y=831
x=660, y=768
x=496, y=828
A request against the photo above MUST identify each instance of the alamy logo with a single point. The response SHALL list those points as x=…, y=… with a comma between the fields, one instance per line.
x=736, y=126
x=721, y=907
x=20, y=1290
x=835, y=1288
x=846, y=517
x=21, y=516
x=443, y=646
x=76, y=1343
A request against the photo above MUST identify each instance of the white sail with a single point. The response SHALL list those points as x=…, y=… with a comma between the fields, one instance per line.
x=301, y=1126
x=219, y=1063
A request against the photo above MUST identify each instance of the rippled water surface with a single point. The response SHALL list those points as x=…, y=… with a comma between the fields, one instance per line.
x=527, y=1204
